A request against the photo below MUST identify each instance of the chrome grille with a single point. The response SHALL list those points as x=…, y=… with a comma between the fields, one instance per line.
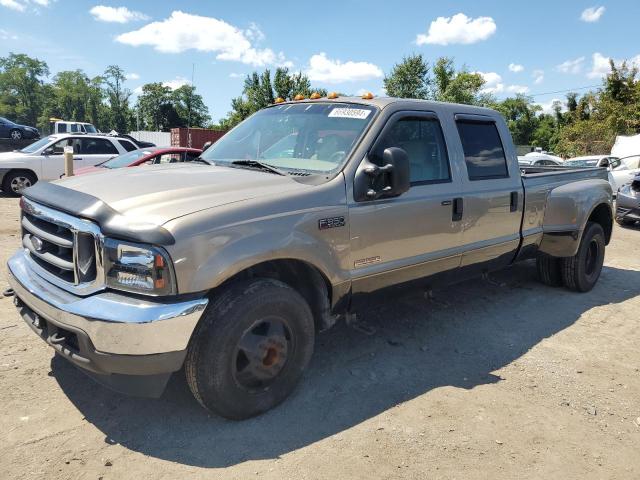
x=63, y=249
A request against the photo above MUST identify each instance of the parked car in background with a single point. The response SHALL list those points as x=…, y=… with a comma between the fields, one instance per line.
x=144, y=156
x=15, y=131
x=62, y=126
x=628, y=202
x=44, y=159
x=619, y=173
x=539, y=160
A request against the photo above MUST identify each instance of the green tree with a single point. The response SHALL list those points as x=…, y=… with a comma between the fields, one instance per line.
x=189, y=107
x=520, y=115
x=21, y=87
x=454, y=86
x=154, y=105
x=117, y=97
x=409, y=78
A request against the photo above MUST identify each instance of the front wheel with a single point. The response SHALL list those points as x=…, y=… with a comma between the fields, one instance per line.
x=16, y=135
x=581, y=272
x=250, y=348
x=15, y=182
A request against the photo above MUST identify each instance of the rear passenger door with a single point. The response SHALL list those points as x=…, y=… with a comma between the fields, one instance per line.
x=414, y=235
x=96, y=150
x=492, y=193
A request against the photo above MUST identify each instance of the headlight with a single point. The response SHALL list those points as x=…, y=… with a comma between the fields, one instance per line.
x=138, y=268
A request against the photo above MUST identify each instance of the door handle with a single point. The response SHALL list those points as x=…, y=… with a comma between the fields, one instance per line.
x=77, y=158
x=514, y=202
x=458, y=207
x=445, y=203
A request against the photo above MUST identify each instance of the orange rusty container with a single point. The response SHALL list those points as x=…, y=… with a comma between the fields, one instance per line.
x=194, y=137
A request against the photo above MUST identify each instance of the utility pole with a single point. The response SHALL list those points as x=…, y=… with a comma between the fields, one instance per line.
x=193, y=71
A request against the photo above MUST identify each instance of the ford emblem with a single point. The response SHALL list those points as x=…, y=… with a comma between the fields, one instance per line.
x=37, y=243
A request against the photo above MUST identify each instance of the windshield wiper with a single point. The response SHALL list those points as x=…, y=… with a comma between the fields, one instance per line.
x=257, y=164
x=199, y=160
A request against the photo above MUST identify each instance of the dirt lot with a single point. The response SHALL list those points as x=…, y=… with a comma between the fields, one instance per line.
x=505, y=380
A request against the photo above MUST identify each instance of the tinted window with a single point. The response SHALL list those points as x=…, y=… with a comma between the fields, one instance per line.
x=97, y=146
x=128, y=146
x=74, y=127
x=62, y=128
x=483, y=152
x=614, y=162
x=423, y=141
x=58, y=147
x=168, y=158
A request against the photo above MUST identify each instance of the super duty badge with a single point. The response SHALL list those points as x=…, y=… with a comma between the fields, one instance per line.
x=333, y=222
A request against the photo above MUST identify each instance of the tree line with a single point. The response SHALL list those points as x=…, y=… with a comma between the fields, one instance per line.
x=27, y=97
x=581, y=124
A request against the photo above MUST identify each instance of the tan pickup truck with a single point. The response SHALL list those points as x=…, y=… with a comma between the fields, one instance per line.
x=228, y=266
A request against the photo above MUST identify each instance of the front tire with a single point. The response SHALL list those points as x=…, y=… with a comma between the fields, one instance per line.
x=16, y=135
x=250, y=348
x=581, y=272
x=16, y=181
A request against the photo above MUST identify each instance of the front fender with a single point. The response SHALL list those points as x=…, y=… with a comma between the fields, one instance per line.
x=567, y=210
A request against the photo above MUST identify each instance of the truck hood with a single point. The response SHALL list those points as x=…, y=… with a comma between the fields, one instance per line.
x=158, y=194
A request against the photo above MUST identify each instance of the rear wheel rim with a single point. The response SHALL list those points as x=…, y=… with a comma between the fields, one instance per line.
x=19, y=183
x=262, y=353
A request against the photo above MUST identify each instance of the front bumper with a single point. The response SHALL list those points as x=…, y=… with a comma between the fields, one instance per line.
x=628, y=207
x=125, y=342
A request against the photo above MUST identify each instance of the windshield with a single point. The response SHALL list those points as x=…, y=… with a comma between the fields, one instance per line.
x=35, y=146
x=581, y=163
x=90, y=128
x=126, y=159
x=314, y=137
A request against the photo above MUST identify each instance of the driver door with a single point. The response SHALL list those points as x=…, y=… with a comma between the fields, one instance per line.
x=53, y=158
x=417, y=234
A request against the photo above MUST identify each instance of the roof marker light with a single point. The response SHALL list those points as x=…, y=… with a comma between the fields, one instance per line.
x=279, y=100
x=315, y=96
x=367, y=96
x=299, y=97
x=332, y=95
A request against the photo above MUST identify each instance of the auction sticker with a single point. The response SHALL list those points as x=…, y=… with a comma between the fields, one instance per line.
x=359, y=113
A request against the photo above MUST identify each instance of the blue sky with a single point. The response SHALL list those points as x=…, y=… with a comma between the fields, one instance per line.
x=348, y=45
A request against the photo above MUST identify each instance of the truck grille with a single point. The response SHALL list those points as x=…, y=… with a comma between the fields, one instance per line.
x=64, y=249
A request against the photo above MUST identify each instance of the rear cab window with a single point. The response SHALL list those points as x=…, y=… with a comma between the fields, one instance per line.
x=128, y=146
x=483, y=151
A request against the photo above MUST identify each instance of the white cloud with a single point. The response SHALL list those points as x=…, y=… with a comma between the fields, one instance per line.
x=538, y=76
x=571, y=66
x=323, y=69
x=176, y=83
x=547, y=107
x=236, y=75
x=457, y=29
x=600, y=66
x=183, y=31
x=103, y=13
x=592, y=14
x=21, y=5
x=522, y=89
x=254, y=33
x=13, y=5
x=515, y=67
x=6, y=35
x=132, y=76
x=493, y=82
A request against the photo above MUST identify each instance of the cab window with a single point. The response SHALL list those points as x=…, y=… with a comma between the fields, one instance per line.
x=97, y=146
x=483, y=151
x=423, y=141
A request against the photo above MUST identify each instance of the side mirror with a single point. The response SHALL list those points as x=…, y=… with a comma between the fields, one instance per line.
x=605, y=163
x=48, y=151
x=372, y=181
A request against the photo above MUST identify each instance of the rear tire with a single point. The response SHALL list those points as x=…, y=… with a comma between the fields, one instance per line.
x=581, y=272
x=16, y=135
x=549, y=269
x=250, y=348
x=17, y=180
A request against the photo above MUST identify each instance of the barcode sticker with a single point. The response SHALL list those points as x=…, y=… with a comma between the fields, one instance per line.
x=359, y=113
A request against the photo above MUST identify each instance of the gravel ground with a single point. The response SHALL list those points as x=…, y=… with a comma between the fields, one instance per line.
x=508, y=379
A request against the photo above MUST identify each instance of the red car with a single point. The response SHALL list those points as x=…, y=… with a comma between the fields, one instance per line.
x=145, y=156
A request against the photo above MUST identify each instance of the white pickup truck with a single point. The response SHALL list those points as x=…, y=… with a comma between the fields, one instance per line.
x=44, y=159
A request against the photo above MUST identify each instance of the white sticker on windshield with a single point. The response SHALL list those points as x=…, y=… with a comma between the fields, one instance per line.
x=359, y=113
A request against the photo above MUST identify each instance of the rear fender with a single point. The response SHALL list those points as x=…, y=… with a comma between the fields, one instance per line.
x=567, y=209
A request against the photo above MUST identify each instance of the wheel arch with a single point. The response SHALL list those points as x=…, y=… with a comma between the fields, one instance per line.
x=300, y=275
x=9, y=171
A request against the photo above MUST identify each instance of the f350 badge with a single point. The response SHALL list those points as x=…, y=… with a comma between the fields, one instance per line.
x=333, y=222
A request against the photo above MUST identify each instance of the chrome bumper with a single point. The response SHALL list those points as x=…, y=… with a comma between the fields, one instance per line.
x=114, y=323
